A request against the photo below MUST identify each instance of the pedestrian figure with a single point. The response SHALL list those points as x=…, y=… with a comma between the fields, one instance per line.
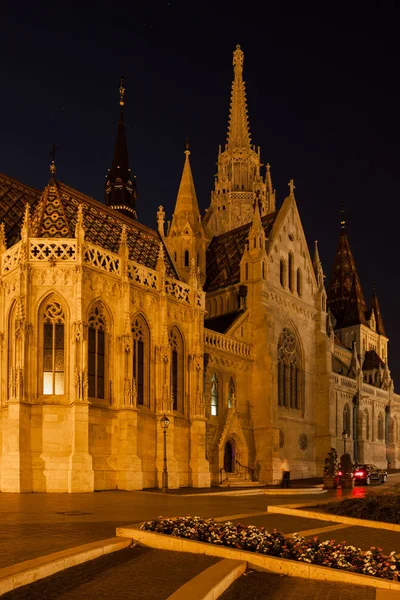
x=285, y=473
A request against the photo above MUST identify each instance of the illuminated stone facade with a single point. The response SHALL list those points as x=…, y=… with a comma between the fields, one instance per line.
x=222, y=323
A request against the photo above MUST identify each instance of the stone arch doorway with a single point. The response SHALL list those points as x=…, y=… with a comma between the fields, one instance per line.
x=229, y=457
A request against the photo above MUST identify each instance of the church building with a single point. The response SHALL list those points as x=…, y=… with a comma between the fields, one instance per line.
x=207, y=349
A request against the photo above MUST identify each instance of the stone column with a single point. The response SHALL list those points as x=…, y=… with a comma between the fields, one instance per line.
x=129, y=465
x=80, y=468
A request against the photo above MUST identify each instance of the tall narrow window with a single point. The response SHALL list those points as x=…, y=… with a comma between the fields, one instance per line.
x=289, y=370
x=96, y=353
x=366, y=422
x=346, y=418
x=290, y=271
x=53, y=349
x=140, y=370
x=176, y=344
x=282, y=272
x=214, y=395
x=380, y=435
x=186, y=258
x=231, y=392
x=299, y=282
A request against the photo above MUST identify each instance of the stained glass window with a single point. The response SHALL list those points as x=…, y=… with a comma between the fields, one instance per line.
x=176, y=344
x=214, y=395
x=96, y=353
x=53, y=349
x=141, y=363
x=289, y=370
x=346, y=418
x=231, y=392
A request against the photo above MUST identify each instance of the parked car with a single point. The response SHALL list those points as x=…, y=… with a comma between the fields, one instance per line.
x=368, y=473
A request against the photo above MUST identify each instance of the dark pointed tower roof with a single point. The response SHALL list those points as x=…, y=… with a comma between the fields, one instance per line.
x=378, y=315
x=345, y=297
x=120, y=187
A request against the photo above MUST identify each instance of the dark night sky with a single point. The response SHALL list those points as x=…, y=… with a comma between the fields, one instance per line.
x=323, y=101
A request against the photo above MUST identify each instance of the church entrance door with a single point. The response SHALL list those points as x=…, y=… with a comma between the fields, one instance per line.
x=229, y=463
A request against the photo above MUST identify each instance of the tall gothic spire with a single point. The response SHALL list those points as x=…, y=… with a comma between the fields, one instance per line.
x=378, y=315
x=238, y=131
x=238, y=180
x=186, y=202
x=345, y=296
x=120, y=188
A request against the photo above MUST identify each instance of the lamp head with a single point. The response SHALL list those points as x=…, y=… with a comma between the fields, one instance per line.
x=164, y=422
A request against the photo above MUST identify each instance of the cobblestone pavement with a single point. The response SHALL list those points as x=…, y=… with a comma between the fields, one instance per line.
x=36, y=524
x=285, y=523
x=134, y=573
x=256, y=585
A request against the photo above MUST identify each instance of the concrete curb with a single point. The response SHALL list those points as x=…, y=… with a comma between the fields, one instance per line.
x=256, y=561
x=294, y=491
x=260, y=492
x=212, y=582
x=29, y=571
x=308, y=514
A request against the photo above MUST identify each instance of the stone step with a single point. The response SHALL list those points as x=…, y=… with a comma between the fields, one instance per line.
x=240, y=483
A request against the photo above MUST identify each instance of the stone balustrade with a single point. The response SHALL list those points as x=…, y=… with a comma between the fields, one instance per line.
x=222, y=342
x=66, y=250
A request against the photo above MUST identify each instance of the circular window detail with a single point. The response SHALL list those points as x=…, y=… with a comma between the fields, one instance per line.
x=303, y=441
x=281, y=439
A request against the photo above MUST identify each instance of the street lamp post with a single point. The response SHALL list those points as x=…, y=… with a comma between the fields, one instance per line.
x=164, y=425
x=344, y=437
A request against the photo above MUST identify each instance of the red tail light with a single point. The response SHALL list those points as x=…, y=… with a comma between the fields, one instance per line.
x=359, y=474
x=340, y=473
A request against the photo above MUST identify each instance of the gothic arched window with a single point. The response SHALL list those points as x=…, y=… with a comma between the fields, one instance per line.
x=290, y=271
x=176, y=344
x=96, y=352
x=214, y=395
x=231, y=392
x=346, y=418
x=366, y=423
x=289, y=370
x=380, y=434
x=186, y=258
x=53, y=348
x=140, y=359
x=282, y=272
x=299, y=282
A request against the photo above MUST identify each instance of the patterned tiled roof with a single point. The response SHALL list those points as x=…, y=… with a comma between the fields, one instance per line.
x=55, y=213
x=372, y=361
x=225, y=252
x=14, y=196
x=345, y=296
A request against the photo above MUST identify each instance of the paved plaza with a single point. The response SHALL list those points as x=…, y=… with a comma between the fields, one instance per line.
x=34, y=525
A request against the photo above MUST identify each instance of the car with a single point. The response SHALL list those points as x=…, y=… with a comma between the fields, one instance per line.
x=368, y=473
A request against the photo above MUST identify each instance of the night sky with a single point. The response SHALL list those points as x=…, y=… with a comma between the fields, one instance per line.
x=323, y=99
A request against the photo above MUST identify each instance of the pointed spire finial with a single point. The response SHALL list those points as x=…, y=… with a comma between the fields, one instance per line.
x=187, y=147
x=53, y=161
x=26, y=222
x=122, y=92
x=3, y=241
x=342, y=218
x=160, y=265
x=292, y=187
x=79, y=227
x=238, y=131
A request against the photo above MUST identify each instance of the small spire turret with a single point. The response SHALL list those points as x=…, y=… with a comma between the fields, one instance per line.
x=120, y=187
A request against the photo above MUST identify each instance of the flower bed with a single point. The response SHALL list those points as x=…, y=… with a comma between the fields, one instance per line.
x=374, y=507
x=250, y=538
